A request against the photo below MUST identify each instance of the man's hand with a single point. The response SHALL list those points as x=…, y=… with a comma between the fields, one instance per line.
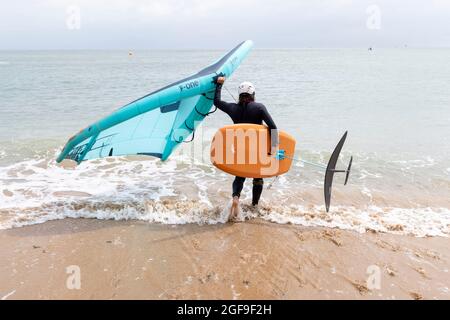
x=220, y=80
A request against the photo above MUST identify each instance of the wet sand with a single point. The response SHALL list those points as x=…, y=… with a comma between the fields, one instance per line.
x=251, y=260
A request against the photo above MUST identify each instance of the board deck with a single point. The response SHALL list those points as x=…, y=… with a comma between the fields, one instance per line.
x=243, y=150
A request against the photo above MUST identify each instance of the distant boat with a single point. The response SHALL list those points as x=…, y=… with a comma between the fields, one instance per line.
x=130, y=53
x=370, y=49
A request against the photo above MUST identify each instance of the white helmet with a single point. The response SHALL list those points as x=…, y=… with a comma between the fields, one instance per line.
x=246, y=87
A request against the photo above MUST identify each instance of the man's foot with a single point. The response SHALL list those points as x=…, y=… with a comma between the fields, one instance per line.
x=234, y=211
x=254, y=208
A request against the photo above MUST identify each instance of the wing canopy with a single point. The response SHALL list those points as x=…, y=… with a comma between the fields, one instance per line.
x=156, y=123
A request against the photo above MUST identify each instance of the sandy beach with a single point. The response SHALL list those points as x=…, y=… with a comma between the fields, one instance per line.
x=249, y=260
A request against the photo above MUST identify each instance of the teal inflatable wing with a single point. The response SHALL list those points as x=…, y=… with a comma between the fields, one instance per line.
x=157, y=123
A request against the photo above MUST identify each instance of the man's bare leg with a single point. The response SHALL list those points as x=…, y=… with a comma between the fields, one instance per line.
x=234, y=211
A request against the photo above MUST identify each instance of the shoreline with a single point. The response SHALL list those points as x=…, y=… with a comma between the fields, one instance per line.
x=250, y=260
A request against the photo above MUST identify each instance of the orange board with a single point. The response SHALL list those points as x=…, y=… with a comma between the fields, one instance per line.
x=243, y=150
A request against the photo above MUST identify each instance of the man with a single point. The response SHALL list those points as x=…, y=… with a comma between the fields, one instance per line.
x=246, y=111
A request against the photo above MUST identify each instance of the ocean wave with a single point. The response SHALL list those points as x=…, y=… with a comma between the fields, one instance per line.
x=178, y=191
x=419, y=222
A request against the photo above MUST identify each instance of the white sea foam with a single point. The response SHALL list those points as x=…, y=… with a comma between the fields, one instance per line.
x=407, y=165
x=38, y=190
x=365, y=173
x=366, y=191
x=419, y=221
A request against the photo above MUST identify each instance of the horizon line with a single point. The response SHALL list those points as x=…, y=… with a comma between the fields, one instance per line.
x=225, y=48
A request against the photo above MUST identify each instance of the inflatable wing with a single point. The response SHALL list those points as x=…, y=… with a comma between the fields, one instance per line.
x=157, y=123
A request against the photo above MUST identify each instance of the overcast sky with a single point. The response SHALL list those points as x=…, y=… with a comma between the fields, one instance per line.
x=140, y=24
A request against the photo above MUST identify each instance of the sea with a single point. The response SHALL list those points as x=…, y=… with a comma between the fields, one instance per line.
x=394, y=103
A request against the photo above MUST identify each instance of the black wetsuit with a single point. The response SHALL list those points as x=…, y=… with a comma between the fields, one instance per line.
x=255, y=113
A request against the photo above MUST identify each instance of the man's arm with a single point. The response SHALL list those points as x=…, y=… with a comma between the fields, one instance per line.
x=222, y=105
x=272, y=127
